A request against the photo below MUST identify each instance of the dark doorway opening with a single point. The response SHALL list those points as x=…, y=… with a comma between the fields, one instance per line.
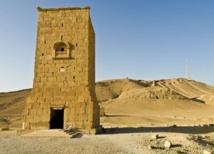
x=56, y=120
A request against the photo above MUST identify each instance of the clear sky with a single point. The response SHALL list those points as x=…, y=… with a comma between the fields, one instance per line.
x=140, y=39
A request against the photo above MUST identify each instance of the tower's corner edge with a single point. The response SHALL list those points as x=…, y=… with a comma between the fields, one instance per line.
x=38, y=8
x=87, y=7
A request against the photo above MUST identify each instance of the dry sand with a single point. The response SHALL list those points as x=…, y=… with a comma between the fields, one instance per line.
x=127, y=141
x=135, y=110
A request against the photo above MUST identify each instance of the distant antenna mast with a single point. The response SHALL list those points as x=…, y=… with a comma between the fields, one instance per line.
x=187, y=71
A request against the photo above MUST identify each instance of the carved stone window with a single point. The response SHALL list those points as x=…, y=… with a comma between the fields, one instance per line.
x=62, y=50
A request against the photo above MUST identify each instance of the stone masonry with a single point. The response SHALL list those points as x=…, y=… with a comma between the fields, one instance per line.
x=63, y=91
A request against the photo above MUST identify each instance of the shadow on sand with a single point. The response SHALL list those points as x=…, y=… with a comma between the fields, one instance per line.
x=112, y=116
x=177, y=129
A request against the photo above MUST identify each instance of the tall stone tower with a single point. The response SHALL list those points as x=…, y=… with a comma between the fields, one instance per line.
x=63, y=91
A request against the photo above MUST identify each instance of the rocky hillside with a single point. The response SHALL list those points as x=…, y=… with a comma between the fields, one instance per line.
x=141, y=90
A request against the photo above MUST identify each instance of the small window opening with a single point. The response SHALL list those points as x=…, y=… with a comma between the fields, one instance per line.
x=61, y=50
x=42, y=54
x=62, y=24
x=61, y=37
x=76, y=44
x=73, y=77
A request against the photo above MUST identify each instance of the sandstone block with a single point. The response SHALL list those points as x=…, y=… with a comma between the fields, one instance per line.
x=167, y=144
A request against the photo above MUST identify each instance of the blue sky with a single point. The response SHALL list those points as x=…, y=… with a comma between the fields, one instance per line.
x=140, y=39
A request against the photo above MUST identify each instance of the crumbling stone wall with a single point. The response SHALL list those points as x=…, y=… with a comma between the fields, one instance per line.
x=64, y=73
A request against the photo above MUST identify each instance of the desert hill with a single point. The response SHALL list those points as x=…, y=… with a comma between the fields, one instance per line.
x=128, y=101
x=11, y=106
x=172, y=89
x=160, y=102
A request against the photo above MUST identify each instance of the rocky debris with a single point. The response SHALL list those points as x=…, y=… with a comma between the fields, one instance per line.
x=181, y=152
x=203, y=140
x=157, y=143
x=69, y=128
x=211, y=125
x=167, y=144
x=174, y=126
x=205, y=125
x=206, y=152
x=154, y=136
x=151, y=147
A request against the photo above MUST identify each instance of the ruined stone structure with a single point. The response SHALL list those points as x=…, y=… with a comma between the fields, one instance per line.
x=63, y=92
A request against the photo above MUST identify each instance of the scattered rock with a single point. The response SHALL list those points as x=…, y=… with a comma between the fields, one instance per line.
x=150, y=147
x=69, y=128
x=174, y=125
x=211, y=125
x=154, y=136
x=181, y=152
x=205, y=125
x=204, y=136
x=206, y=152
x=167, y=144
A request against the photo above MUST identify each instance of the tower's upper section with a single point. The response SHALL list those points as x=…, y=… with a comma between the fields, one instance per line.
x=63, y=32
x=65, y=48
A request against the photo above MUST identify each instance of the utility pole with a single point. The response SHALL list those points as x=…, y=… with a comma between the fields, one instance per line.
x=187, y=71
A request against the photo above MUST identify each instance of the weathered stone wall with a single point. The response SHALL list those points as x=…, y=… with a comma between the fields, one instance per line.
x=64, y=76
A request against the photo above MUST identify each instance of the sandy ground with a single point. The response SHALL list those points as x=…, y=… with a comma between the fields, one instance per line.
x=128, y=141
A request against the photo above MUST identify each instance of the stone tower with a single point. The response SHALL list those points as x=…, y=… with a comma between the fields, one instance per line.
x=63, y=91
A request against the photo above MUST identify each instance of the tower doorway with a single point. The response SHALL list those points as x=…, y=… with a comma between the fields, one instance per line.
x=56, y=118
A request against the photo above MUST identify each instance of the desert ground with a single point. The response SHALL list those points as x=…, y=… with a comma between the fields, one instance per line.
x=140, y=117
